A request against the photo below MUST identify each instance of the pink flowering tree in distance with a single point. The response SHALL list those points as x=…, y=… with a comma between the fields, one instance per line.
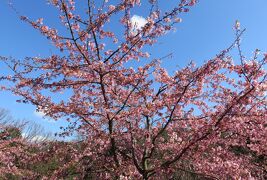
x=143, y=122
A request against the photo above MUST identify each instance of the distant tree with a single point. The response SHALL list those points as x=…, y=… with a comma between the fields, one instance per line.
x=5, y=117
x=11, y=133
x=208, y=121
x=8, y=130
x=29, y=131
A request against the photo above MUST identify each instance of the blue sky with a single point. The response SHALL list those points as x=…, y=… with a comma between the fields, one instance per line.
x=204, y=31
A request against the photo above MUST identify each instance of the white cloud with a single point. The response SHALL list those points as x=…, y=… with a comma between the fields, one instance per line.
x=138, y=22
x=36, y=138
x=39, y=113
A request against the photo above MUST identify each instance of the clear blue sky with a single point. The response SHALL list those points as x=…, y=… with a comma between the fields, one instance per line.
x=205, y=30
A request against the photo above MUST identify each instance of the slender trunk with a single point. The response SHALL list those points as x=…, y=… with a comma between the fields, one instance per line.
x=145, y=176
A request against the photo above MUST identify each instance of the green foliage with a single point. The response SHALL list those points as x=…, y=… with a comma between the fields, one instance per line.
x=45, y=168
x=10, y=133
x=240, y=150
x=10, y=176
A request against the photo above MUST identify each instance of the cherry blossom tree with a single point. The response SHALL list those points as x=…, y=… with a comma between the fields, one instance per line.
x=208, y=120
